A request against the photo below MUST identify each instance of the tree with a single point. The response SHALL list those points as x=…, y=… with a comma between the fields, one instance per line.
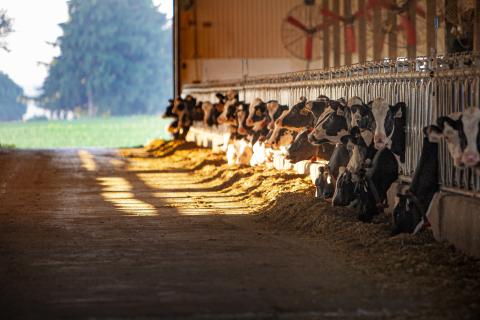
x=6, y=27
x=11, y=105
x=115, y=58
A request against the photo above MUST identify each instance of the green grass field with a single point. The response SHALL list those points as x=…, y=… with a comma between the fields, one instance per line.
x=98, y=132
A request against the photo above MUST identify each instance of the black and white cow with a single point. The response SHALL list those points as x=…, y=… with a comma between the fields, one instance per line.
x=359, y=143
x=212, y=111
x=275, y=111
x=304, y=114
x=332, y=124
x=302, y=149
x=324, y=184
x=258, y=119
x=172, y=128
x=390, y=127
x=410, y=214
x=471, y=134
x=371, y=189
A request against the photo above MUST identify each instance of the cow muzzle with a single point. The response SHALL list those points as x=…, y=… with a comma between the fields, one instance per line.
x=470, y=158
x=380, y=141
x=242, y=131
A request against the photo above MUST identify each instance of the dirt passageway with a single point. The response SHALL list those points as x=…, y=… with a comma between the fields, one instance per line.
x=122, y=234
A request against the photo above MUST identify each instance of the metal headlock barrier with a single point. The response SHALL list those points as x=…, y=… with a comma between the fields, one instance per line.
x=430, y=86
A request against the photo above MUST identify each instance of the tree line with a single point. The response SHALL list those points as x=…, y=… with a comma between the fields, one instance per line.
x=115, y=59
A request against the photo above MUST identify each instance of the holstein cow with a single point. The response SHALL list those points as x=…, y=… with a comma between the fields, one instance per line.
x=172, y=127
x=324, y=184
x=304, y=114
x=362, y=152
x=211, y=111
x=187, y=111
x=260, y=116
x=390, y=126
x=332, y=124
x=462, y=135
x=471, y=123
x=451, y=127
x=240, y=149
x=302, y=149
x=410, y=214
x=371, y=189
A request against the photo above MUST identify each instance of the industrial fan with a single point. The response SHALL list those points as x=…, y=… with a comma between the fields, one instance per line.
x=300, y=31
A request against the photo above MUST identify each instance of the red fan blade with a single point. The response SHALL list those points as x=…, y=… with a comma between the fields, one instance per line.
x=409, y=30
x=309, y=47
x=350, y=43
x=294, y=22
x=330, y=14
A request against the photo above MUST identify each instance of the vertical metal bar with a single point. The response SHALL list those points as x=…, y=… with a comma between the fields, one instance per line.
x=430, y=21
x=412, y=15
x=336, y=35
x=326, y=40
x=362, y=35
x=347, y=6
x=377, y=36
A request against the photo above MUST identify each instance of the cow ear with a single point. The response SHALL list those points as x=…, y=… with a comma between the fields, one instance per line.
x=455, y=124
x=398, y=110
x=370, y=104
x=323, y=98
x=433, y=133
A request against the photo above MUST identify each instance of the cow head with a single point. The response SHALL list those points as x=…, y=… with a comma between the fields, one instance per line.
x=279, y=137
x=471, y=123
x=275, y=110
x=451, y=127
x=384, y=115
x=359, y=141
x=332, y=124
x=207, y=108
x=169, y=110
x=344, y=188
x=241, y=114
x=304, y=113
x=180, y=108
x=324, y=184
x=361, y=114
x=301, y=148
x=228, y=114
x=257, y=115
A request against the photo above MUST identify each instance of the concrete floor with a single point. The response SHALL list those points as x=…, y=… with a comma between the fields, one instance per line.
x=81, y=236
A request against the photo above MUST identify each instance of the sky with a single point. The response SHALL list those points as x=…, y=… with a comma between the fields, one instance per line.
x=35, y=24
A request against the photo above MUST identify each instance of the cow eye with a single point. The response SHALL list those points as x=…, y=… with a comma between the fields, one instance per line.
x=258, y=112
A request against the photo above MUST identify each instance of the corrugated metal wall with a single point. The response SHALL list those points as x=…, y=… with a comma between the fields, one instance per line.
x=252, y=29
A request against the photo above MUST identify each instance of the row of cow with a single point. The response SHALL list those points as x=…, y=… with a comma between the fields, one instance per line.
x=363, y=142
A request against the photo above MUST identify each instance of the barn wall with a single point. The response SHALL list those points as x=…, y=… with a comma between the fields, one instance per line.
x=226, y=39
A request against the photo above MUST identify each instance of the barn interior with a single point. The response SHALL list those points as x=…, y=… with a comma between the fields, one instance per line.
x=217, y=223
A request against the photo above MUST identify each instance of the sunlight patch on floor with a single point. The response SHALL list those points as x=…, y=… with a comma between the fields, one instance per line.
x=117, y=191
x=87, y=159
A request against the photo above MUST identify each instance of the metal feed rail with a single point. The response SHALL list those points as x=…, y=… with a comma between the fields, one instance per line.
x=430, y=87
